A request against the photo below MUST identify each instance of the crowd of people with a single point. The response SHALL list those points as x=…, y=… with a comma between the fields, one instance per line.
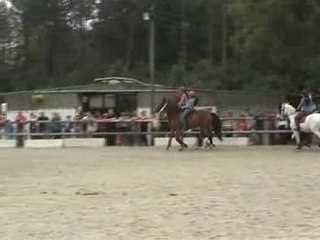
x=105, y=125
x=250, y=122
x=113, y=127
x=84, y=124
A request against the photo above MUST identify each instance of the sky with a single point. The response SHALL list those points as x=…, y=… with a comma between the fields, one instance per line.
x=7, y=2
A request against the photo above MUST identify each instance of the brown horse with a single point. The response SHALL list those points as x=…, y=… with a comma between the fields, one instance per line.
x=206, y=121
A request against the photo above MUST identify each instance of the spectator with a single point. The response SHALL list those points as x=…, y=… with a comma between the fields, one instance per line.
x=92, y=124
x=84, y=122
x=89, y=124
x=258, y=125
x=134, y=126
x=33, y=127
x=43, y=125
x=110, y=126
x=124, y=127
x=9, y=129
x=143, y=128
x=20, y=123
x=56, y=125
x=2, y=125
x=251, y=121
x=229, y=125
x=101, y=124
x=242, y=124
x=68, y=125
x=272, y=118
x=97, y=116
x=77, y=127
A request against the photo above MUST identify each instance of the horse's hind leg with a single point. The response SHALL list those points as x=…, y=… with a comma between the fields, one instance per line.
x=210, y=137
x=317, y=133
x=199, y=140
x=211, y=142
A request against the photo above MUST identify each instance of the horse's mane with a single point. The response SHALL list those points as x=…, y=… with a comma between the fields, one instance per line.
x=171, y=100
x=280, y=107
x=288, y=105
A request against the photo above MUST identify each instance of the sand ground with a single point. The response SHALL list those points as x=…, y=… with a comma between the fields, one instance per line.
x=149, y=193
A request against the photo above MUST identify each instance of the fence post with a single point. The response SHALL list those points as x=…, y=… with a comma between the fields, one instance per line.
x=265, y=137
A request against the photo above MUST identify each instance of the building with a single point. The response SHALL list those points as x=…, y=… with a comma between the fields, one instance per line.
x=129, y=95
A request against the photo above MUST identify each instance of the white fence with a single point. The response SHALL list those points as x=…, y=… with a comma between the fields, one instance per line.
x=91, y=138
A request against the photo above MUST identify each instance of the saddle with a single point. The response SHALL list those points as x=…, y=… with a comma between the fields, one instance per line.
x=303, y=118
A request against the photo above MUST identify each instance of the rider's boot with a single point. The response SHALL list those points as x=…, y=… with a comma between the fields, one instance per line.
x=296, y=121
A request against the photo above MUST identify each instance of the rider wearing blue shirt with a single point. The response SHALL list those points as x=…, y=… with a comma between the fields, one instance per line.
x=305, y=107
x=187, y=107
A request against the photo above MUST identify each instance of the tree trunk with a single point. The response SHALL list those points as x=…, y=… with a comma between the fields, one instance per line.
x=224, y=34
x=130, y=47
x=210, y=32
x=183, y=35
x=50, y=51
x=26, y=40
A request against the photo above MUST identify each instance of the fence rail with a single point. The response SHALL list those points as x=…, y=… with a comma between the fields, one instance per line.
x=152, y=133
x=23, y=125
x=117, y=120
x=153, y=128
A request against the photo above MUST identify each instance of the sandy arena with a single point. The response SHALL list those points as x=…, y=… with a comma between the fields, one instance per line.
x=148, y=193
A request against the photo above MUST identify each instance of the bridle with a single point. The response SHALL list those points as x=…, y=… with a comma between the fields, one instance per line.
x=163, y=107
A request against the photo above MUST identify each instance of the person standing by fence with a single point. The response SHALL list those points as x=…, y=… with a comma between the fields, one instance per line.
x=143, y=128
x=20, y=123
x=33, y=126
x=110, y=126
x=2, y=125
x=43, y=125
x=56, y=125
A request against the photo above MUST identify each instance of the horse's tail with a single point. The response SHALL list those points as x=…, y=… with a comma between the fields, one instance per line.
x=217, y=126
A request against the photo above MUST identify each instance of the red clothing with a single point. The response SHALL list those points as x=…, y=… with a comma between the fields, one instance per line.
x=243, y=125
x=180, y=97
x=176, y=95
x=183, y=99
x=3, y=120
x=20, y=118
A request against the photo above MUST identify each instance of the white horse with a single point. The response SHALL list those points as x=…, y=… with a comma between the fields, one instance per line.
x=310, y=125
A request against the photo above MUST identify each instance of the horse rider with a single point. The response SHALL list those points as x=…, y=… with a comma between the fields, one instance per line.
x=305, y=107
x=187, y=107
x=183, y=95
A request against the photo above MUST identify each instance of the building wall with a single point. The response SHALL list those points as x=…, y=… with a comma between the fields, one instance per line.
x=61, y=100
x=224, y=101
x=18, y=101
x=256, y=102
x=23, y=101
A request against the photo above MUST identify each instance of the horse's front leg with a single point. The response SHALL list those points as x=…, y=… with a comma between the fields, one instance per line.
x=181, y=134
x=179, y=139
x=298, y=139
x=170, y=139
